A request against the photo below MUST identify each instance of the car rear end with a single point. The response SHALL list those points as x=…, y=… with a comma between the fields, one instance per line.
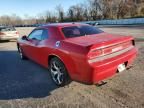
x=111, y=59
x=8, y=33
x=101, y=55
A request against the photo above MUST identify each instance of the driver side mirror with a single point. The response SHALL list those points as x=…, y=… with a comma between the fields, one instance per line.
x=24, y=37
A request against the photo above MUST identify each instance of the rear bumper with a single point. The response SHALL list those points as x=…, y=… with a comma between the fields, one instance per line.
x=8, y=37
x=104, y=69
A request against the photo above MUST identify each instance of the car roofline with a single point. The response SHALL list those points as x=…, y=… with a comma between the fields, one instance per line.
x=61, y=25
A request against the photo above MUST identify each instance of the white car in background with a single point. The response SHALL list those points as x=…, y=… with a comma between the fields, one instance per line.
x=8, y=33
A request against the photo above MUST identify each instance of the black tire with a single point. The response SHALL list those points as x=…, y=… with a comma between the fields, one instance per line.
x=58, y=72
x=22, y=56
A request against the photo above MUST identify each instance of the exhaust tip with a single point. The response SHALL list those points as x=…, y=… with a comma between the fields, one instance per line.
x=101, y=83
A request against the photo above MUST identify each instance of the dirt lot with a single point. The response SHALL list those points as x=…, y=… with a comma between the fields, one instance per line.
x=24, y=84
x=136, y=31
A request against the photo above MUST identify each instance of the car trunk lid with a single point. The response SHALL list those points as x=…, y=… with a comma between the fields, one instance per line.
x=102, y=44
x=98, y=39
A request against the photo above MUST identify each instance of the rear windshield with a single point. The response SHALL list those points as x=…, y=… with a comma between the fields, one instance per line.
x=77, y=31
x=3, y=29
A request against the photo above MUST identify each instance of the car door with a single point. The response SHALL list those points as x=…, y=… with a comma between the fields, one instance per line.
x=33, y=40
x=42, y=49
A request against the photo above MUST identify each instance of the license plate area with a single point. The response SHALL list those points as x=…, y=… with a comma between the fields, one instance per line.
x=121, y=67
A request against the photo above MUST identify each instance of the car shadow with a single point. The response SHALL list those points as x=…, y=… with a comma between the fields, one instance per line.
x=22, y=79
x=4, y=41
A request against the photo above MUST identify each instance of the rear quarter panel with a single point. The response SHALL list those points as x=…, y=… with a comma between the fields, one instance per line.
x=74, y=58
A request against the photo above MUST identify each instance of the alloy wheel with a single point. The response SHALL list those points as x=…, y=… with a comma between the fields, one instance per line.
x=20, y=53
x=57, y=73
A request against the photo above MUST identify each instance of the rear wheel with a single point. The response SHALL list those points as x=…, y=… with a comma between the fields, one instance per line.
x=58, y=72
x=22, y=56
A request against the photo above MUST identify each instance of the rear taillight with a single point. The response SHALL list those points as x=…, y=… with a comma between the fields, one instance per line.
x=116, y=48
x=2, y=33
x=94, y=53
x=17, y=32
x=108, y=50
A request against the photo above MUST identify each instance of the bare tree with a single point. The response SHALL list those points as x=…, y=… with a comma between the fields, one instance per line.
x=86, y=14
x=122, y=9
x=71, y=14
x=6, y=20
x=132, y=9
x=48, y=16
x=142, y=11
x=95, y=8
x=41, y=18
x=60, y=11
x=76, y=12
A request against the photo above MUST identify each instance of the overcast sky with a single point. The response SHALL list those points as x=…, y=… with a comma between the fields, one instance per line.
x=33, y=7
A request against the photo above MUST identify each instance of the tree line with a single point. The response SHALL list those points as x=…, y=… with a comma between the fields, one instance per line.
x=91, y=10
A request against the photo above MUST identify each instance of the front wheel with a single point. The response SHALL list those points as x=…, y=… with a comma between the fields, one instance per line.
x=58, y=72
x=22, y=56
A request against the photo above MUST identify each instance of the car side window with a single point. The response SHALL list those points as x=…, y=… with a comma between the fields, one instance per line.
x=45, y=34
x=36, y=34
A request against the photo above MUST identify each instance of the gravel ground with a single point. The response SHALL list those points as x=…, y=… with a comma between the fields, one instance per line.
x=135, y=31
x=24, y=84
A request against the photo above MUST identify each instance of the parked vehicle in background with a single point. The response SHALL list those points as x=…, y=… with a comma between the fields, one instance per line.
x=78, y=51
x=93, y=23
x=8, y=33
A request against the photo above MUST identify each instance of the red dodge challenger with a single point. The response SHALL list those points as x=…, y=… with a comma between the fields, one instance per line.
x=78, y=51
